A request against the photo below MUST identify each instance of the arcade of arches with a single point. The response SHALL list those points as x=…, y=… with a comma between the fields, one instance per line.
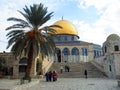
x=65, y=54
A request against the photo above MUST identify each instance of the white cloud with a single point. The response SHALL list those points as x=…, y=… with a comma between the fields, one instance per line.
x=90, y=33
x=96, y=32
x=109, y=21
x=9, y=8
x=99, y=4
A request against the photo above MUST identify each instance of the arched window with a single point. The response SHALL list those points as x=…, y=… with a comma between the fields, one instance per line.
x=84, y=51
x=65, y=54
x=116, y=48
x=66, y=51
x=95, y=53
x=75, y=51
x=105, y=49
x=58, y=52
x=110, y=68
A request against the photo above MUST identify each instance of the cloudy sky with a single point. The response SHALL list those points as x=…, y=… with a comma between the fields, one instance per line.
x=93, y=19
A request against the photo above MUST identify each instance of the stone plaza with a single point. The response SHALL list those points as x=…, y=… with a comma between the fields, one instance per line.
x=77, y=84
x=62, y=84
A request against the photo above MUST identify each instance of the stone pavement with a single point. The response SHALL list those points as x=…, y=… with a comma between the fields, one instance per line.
x=62, y=84
x=14, y=84
x=77, y=84
x=7, y=84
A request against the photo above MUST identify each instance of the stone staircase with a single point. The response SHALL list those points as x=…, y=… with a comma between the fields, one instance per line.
x=77, y=70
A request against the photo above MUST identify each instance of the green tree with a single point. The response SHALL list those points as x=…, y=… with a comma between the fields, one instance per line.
x=29, y=36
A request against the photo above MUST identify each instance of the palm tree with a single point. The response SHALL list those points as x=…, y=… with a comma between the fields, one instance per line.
x=29, y=36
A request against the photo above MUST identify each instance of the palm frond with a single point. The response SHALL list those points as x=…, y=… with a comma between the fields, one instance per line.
x=21, y=24
x=18, y=47
x=14, y=36
x=55, y=26
x=16, y=19
x=14, y=33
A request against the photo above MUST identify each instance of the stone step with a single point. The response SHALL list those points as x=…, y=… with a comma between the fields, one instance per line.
x=77, y=70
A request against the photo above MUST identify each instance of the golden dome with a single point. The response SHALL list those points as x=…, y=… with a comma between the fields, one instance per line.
x=67, y=28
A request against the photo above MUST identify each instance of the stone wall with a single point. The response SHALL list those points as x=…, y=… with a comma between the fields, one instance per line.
x=46, y=64
x=12, y=62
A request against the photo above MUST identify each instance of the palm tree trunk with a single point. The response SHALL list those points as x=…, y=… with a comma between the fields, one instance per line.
x=29, y=63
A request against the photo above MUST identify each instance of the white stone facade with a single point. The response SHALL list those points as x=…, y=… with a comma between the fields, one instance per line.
x=75, y=58
x=110, y=61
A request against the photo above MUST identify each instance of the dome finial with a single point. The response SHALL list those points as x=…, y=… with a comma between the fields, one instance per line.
x=62, y=17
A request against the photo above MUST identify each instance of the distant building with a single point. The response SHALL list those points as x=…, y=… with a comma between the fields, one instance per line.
x=110, y=61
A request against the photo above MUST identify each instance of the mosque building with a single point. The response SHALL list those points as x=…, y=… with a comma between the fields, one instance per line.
x=69, y=48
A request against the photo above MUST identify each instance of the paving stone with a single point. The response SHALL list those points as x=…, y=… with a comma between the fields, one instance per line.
x=65, y=84
x=77, y=84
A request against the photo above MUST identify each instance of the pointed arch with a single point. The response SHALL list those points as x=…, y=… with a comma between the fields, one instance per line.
x=65, y=53
x=84, y=51
x=57, y=55
x=75, y=51
x=75, y=54
x=84, y=54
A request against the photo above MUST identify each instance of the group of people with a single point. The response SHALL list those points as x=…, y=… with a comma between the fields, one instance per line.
x=51, y=76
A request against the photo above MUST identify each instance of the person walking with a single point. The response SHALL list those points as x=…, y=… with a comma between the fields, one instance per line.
x=68, y=68
x=61, y=69
x=47, y=76
x=85, y=73
x=50, y=76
